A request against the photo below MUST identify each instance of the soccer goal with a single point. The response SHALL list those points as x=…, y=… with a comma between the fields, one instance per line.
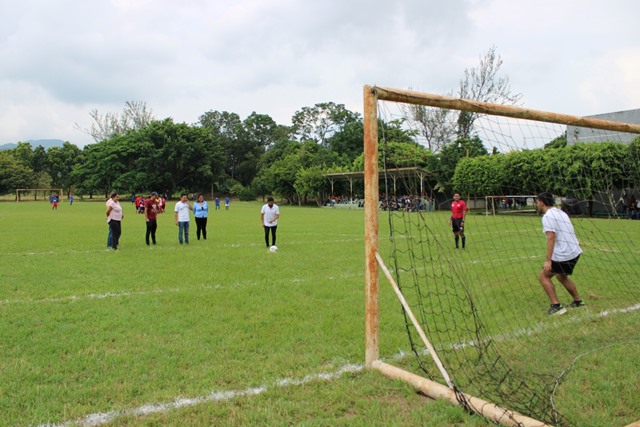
x=22, y=193
x=510, y=203
x=475, y=318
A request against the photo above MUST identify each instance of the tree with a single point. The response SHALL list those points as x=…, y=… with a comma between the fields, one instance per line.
x=177, y=156
x=310, y=182
x=39, y=159
x=320, y=122
x=281, y=166
x=227, y=133
x=134, y=116
x=102, y=164
x=435, y=125
x=443, y=165
x=484, y=84
x=13, y=174
x=60, y=163
x=480, y=176
x=348, y=142
x=23, y=153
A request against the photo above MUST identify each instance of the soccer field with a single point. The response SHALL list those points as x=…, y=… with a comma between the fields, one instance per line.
x=220, y=332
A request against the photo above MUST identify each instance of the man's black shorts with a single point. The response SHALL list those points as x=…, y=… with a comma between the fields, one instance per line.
x=456, y=224
x=564, y=268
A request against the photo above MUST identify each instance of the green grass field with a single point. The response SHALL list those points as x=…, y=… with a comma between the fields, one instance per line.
x=222, y=332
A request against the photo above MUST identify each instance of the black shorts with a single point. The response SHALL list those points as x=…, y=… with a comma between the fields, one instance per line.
x=564, y=268
x=456, y=224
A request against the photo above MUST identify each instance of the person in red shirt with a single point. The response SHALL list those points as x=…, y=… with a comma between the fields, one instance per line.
x=458, y=214
x=150, y=216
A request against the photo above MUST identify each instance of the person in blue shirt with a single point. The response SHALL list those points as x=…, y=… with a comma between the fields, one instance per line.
x=201, y=212
x=227, y=200
x=217, y=203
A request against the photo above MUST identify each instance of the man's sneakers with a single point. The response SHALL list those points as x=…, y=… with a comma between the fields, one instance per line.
x=556, y=310
x=577, y=304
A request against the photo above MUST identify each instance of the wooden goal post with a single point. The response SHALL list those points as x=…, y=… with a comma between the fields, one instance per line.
x=371, y=179
x=35, y=192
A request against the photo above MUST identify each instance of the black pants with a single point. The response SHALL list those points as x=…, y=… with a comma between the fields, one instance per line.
x=201, y=227
x=152, y=226
x=273, y=235
x=116, y=231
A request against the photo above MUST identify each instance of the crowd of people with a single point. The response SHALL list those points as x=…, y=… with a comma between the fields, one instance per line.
x=630, y=206
x=407, y=203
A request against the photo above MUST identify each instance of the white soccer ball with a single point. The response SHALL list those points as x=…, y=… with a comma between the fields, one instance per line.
x=273, y=248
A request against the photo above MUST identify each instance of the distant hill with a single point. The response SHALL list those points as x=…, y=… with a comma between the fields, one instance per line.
x=46, y=144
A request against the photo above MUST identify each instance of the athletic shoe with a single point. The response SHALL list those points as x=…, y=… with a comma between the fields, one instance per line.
x=556, y=310
x=576, y=304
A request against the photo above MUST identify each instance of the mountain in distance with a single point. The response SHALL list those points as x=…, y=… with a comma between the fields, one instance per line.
x=46, y=144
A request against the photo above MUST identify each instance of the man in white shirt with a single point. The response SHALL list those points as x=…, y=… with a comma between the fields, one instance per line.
x=269, y=219
x=563, y=252
x=181, y=214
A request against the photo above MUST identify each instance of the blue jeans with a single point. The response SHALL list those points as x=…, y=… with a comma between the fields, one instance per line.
x=183, y=227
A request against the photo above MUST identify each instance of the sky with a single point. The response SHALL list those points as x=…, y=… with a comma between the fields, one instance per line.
x=61, y=59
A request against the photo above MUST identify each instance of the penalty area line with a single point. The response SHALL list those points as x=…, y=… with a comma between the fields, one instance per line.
x=101, y=418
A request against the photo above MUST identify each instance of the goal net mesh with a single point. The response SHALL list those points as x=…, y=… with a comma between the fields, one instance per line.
x=483, y=307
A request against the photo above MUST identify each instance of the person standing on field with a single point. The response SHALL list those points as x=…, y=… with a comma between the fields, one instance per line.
x=201, y=212
x=269, y=218
x=108, y=226
x=151, y=216
x=114, y=217
x=227, y=202
x=458, y=215
x=181, y=213
x=563, y=252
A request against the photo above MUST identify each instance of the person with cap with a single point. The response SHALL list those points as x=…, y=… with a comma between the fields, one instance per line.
x=150, y=216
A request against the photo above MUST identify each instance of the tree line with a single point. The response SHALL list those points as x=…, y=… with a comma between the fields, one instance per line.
x=135, y=152
x=255, y=156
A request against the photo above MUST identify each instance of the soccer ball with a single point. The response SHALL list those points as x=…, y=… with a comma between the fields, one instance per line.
x=273, y=248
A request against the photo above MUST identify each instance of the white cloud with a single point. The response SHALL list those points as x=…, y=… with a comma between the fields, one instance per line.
x=62, y=59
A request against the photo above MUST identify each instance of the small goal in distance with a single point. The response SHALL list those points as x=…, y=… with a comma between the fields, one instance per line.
x=20, y=192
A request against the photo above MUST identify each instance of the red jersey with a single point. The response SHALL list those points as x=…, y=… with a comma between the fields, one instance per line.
x=150, y=208
x=458, y=209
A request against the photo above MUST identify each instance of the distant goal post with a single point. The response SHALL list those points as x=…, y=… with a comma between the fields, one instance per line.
x=35, y=191
x=512, y=202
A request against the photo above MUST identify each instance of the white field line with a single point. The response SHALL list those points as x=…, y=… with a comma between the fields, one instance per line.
x=102, y=418
x=172, y=247
x=157, y=291
x=98, y=419
x=104, y=295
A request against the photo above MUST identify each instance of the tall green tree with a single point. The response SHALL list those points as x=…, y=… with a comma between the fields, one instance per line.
x=177, y=156
x=228, y=133
x=60, y=164
x=320, y=122
x=23, y=153
x=443, y=165
x=13, y=173
x=39, y=159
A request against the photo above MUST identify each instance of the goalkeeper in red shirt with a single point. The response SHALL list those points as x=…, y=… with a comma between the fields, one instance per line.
x=458, y=214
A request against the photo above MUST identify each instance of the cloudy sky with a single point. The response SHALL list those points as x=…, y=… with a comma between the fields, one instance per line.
x=60, y=59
